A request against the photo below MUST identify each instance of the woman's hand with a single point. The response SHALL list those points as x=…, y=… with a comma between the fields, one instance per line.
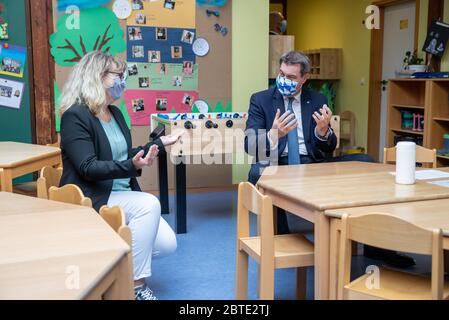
x=139, y=162
x=172, y=138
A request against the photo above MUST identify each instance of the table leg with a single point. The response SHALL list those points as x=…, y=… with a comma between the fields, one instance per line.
x=125, y=278
x=322, y=230
x=333, y=258
x=446, y=260
x=181, y=198
x=6, y=180
x=163, y=183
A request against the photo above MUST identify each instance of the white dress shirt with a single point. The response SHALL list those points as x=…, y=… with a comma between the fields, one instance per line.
x=297, y=111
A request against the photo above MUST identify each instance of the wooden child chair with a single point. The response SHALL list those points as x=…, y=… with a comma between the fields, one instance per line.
x=423, y=155
x=269, y=251
x=69, y=193
x=48, y=177
x=389, y=232
x=115, y=217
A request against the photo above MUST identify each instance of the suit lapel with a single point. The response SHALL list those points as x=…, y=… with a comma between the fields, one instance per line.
x=278, y=102
x=306, y=113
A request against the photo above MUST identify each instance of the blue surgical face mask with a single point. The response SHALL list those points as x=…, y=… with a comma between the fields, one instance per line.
x=283, y=26
x=117, y=88
x=286, y=87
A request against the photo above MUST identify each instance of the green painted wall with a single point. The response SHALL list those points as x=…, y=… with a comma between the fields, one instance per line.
x=250, y=22
x=15, y=124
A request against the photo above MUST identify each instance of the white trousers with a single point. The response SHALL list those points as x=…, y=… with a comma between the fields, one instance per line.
x=151, y=234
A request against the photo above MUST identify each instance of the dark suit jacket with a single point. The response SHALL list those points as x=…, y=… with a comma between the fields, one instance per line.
x=87, y=155
x=262, y=111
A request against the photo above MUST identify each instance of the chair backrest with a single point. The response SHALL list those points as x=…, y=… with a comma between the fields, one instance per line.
x=385, y=231
x=347, y=127
x=423, y=155
x=251, y=200
x=48, y=177
x=69, y=193
x=115, y=217
x=335, y=125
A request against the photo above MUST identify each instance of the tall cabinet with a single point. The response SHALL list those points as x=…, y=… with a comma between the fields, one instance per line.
x=424, y=97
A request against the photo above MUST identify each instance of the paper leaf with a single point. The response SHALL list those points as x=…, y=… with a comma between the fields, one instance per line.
x=57, y=117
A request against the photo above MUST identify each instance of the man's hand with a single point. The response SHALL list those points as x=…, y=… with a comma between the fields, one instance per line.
x=283, y=124
x=323, y=120
x=139, y=162
x=172, y=138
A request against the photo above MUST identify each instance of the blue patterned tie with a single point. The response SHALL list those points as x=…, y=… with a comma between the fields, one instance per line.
x=293, y=144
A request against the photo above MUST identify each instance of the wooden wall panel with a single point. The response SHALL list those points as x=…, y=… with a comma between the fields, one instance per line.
x=41, y=26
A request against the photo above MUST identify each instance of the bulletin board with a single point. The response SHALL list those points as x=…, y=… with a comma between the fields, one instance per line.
x=16, y=120
x=211, y=81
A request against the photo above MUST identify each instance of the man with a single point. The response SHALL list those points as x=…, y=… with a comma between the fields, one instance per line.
x=290, y=125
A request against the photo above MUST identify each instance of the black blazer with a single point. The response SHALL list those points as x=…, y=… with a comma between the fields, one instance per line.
x=261, y=114
x=87, y=155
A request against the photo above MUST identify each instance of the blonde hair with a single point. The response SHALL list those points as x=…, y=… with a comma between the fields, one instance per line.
x=85, y=83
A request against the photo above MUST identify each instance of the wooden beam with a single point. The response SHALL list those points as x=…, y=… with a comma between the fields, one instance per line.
x=417, y=15
x=375, y=87
x=41, y=22
x=30, y=71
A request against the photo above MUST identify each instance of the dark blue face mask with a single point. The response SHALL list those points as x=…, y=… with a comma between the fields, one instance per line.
x=117, y=88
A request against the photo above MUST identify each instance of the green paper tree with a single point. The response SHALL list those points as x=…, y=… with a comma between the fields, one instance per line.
x=228, y=106
x=209, y=109
x=99, y=30
x=173, y=110
x=219, y=107
x=195, y=109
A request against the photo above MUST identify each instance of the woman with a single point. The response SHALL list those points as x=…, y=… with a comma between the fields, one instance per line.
x=97, y=156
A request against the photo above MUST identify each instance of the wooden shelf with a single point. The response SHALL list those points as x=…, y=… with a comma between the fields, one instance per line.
x=441, y=119
x=419, y=133
x=326, y=63
x=403, y=106
x=424, y=96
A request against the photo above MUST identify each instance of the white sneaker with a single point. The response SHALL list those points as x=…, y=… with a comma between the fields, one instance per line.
x=144, y=293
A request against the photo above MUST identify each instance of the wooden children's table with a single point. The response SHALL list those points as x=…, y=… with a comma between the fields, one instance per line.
x=308, y=191
x=18, y=159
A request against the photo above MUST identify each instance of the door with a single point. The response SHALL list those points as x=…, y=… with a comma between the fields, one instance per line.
x=399, y=37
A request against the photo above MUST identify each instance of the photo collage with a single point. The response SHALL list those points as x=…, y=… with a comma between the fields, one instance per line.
x=160, y=59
